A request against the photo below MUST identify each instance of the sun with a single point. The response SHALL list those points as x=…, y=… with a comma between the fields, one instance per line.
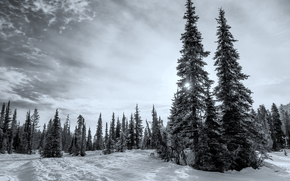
x=187, y=85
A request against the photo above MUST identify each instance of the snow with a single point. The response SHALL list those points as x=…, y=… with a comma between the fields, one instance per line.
x=131, y=165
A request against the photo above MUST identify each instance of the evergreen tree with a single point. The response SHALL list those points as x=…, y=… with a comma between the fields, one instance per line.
x=112, y=128
x=124, y=135
x=27, y=135
x=66, y=135
x=78, y=144
x=99, y=134
x=74, y=148
x=138, y=128
x=34, y=124
x=118, y=129
x=6, y=128
x=191, y=85
x=48, y=140
x=12, y=132
x=235, y=100
x=150, y=146
x=17, y=140
x=210, y=147
x=155, y=128
x=145, y=140
x=106, y=136
x=123, y=128
x=287, y=117
x=111, y=143
x=53, y=142
x=2, y=118
x=42, y=139
x=278, y=141
x=131, y=134
x=83, y=142
x=262, y=117
x=89, y=146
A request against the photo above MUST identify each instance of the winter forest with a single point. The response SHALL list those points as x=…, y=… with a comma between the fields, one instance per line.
x=212, y=126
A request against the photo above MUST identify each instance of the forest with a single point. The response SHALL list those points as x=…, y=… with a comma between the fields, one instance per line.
x=209, y=128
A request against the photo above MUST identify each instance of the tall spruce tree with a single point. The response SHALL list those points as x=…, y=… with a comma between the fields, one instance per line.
x=12, y=131
x=189, y=101
x=27, y=135
x=155, y=129
x=113, y=128
x=235, y=100
x=106, y=136
x=53, y=142
x=89, y=146
x=6, y=128
x=66, y=135
x=262, y=119
x=124, y=134
x=210, y=147
x=138, y=128
x=99, y=134
x=34, y=125
x=191, y=85
x=56, y=135
x=42, y=139
x=83, y=139
x=2, y=117
x=278, y=135
x=131, y=133
x=118, y=129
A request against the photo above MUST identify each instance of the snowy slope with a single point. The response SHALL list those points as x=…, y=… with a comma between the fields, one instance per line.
x=132, y=165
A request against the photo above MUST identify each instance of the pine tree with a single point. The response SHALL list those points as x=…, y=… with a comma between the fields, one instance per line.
x=111, y=143
x=262, y=116
x=34, y=124
x=131, y=134
x=190, y=97
x=118, y=129
x=79, y=142
x=2, y=118
x=74, y=148
x=42, y=139
x=47, y=140
x=138, y=128
x=112, y=128
x=124, y=134
x=83, y=142
x=235, y=100
x=287, y=120
x=56, y=134
x=53, y=142
x=278, y=141
x=145, y=140
x=106, y=136
x=210, y=147
x=155, y=128
x=17, y=140
x=6, y=128
x=12, y=132
x=89, y=146
x=99, y=134
x=66, y=135
x=27, y=135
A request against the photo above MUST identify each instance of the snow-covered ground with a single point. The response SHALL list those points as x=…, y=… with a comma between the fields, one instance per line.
x=135, y=165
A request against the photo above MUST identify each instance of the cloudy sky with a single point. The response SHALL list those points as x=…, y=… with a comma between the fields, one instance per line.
x=103, y=56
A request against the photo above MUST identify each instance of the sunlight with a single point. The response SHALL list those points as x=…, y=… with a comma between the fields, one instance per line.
x=187, y=85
